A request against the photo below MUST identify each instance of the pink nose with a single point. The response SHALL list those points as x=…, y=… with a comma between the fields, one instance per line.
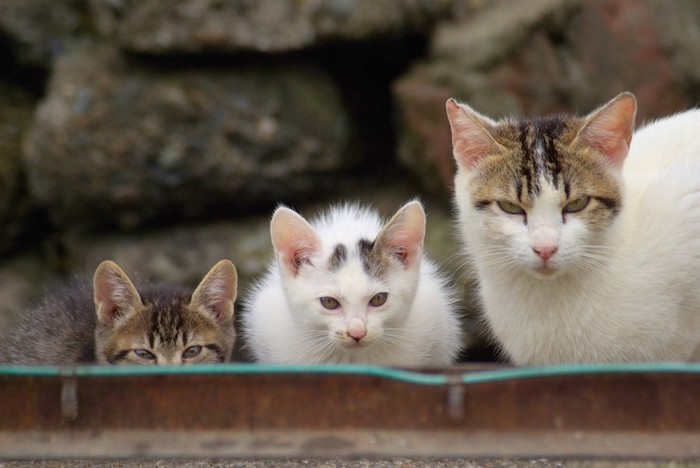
x=545, y=252
x=357, y=329
x=357, y=335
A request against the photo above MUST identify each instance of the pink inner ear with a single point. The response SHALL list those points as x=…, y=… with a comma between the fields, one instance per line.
x=217, y=291
x=112, y=296
x=610, y=129
x=470, y=139
x=403, y=236
x=294, y=240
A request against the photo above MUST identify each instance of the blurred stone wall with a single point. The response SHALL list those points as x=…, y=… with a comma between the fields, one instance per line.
x=162, y=134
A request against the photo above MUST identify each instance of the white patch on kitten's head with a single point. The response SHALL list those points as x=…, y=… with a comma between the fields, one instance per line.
x=538, y=195
x=349, y=281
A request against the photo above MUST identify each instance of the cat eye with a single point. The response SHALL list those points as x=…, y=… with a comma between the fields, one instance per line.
x=577, y=205
x=378, y=299
x=144, y=354
x=329, y=303
x=511, y=208
x=191, y=352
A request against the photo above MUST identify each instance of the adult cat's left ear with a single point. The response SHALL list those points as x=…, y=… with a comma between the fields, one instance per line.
x=609, y=129
x=471, y=137
x=404, y=234
x=114, y=293
x=217, y=292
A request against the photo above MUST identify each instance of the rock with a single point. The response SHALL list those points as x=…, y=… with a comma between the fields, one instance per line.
x=191, y=26
x=39, y=30
x=118, y=142
x=18, y=216
x=552, y=56
x=177, y=254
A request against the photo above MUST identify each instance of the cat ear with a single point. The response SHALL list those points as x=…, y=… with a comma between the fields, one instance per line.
x=114, y=293
x=471, y=137
x=217, y=292
x=403, y=235
x=293, y=238
x=609, y=129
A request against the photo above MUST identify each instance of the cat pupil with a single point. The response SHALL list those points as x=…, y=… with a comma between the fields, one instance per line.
x=329, y=303
x=577, y=204
x=144, y=354
x=192, y=351
x=510, y=208
x=379, y=299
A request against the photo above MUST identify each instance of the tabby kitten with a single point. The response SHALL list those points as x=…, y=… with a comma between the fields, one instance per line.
x=114, y=323
x=586, y=249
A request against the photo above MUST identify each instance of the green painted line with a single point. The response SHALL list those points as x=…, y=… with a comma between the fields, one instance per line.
x=408, y=376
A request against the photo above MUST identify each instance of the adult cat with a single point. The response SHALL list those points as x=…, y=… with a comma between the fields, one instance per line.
x=586, y=249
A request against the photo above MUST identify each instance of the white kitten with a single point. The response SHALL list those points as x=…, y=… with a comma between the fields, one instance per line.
x=583, y=252
x=344, y=289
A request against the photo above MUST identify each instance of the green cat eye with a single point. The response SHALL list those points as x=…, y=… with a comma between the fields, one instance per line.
x=511, y=208
x=378, y=299
x=191, y=352
x=144, y=354
x=329, y=303
x=577, y=204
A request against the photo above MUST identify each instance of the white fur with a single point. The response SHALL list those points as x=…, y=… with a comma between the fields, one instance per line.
x=634, y=296
x=284, y=323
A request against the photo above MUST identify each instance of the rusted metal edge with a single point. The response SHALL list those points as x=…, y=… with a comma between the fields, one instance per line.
x=449, y=412
x=356, y=443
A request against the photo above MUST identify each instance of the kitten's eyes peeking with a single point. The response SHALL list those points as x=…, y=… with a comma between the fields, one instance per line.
x=378, y=299
x=329, y=303
x=191, y=352
x=577, y=204
x=144, y=354
x=511, y=208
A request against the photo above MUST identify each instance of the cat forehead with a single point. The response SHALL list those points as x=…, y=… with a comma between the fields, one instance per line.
x=537, y=152
x=373, y=262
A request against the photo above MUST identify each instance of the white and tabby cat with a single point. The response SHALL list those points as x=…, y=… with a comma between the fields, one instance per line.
x=346, y=289
x=586, y=249
x=113, y=322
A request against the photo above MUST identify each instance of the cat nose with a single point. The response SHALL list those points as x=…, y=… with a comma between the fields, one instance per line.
x=357, y=335
x=357, y=329
x=545, y=252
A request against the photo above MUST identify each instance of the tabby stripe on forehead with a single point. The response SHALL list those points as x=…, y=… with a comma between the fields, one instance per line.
x=167, y=323
x=540, y=152
x=338, y=257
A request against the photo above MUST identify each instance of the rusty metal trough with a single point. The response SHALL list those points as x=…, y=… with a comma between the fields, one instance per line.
x=244, y=410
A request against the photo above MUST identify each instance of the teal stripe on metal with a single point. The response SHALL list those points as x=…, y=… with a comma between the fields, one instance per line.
x=414, y=377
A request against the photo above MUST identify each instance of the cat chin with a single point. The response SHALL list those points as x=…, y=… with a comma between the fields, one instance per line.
x=545, y=271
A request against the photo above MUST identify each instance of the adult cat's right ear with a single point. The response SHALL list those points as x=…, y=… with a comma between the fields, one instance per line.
x=471, y=139
x=114, y=293
x=609, y=128
x=293, y=238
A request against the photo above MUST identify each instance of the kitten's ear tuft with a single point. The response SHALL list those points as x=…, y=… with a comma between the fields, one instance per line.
x=217, y=292
x=609, y=129
x=293, y=238
x=114, y=293
x=404, y=234
x=471, y=137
